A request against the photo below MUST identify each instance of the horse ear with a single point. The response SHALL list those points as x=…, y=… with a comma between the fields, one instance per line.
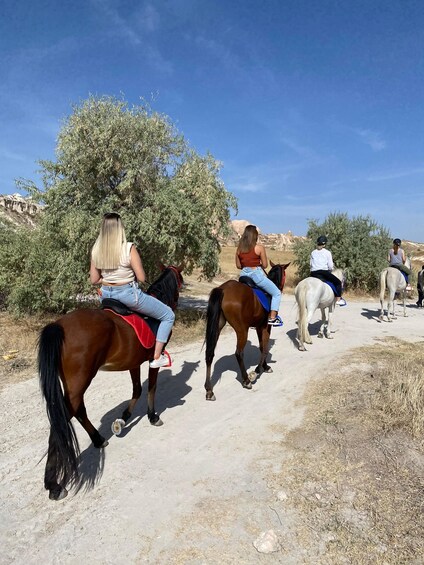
x=271, y=263
x=285, y=266
x=180, y=267
x=161, y=266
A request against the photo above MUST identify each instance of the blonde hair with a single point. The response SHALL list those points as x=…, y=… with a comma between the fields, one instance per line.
x=106, y=252
x=248, y=240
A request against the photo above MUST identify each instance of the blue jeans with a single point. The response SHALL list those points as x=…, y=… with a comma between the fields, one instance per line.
x=260, y=279
x=132, y=296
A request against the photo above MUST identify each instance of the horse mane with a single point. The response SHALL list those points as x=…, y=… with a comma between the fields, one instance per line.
x=165, y=287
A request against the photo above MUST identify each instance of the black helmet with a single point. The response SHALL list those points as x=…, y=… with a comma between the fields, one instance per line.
x=322, y=240
x=397, y=241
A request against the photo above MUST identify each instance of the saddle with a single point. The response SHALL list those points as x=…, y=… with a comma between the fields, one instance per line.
x=330, y=284
x=145, y=327
x=263, y=297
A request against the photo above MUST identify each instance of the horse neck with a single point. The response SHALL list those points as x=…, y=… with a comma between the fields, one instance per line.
x=272, y=278
x=165, y=288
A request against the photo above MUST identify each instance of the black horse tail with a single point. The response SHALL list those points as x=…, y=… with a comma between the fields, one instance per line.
x=63, y=444
x=212, y=323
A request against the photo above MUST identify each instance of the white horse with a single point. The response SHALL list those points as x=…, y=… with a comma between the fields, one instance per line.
x=311, y=293
x=394, y=280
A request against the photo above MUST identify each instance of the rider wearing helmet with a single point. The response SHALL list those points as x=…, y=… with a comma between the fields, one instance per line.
x=397, y=259
x=321, y=263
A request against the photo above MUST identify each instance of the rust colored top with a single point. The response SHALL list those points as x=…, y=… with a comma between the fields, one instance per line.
x=249, y=259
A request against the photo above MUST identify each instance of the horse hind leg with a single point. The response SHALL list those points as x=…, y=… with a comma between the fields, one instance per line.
x=241, y=344
x=262, y=367
x=119, y=424
x=77, y=408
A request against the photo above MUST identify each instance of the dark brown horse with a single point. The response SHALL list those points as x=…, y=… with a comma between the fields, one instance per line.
x=236, y=303
x=74, y=348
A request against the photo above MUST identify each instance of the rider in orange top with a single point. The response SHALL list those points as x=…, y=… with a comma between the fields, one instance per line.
x=251, y=258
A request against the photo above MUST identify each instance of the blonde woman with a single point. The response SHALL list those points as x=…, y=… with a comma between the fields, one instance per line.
x=117, y=266
x=251, y=258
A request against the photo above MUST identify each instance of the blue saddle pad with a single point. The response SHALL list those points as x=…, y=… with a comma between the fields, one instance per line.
x=331, y=285
x=264, y=298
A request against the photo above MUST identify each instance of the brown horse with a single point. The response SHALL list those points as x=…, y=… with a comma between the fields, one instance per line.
x=236, y=303
x=74, y=348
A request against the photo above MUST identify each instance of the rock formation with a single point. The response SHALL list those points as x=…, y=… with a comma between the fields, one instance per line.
x=18, y=210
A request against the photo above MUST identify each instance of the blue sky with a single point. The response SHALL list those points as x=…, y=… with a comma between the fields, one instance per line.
x=312, y=106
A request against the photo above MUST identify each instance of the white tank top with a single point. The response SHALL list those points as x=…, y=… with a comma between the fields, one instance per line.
x=123, y=273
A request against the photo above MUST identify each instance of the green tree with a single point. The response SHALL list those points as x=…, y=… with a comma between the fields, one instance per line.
x=359, y=246
x=131, y=160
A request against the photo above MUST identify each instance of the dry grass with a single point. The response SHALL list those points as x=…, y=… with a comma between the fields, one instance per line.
x=355, y=469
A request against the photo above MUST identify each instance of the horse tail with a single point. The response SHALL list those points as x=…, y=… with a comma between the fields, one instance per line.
x=213, y=314
x=63, y=444
x=383, y=276
x=303, y=313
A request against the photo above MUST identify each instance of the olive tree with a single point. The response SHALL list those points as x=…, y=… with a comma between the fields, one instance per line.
x=131, y=160
x=359, y=246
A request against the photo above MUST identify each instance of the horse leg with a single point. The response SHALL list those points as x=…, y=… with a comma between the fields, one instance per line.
x=329, y=322
x=391, y=306
x=323, y=327
x=404, y=307
x=77, y=408
x=241, y=344
x=263, y=337
x=154, y=418
x=119, y=423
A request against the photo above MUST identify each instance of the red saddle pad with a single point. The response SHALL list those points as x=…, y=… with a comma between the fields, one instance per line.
x=145, y=335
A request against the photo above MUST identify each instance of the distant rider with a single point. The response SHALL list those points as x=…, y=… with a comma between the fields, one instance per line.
x=420, y=287
x=321, y=263
x=397, y=259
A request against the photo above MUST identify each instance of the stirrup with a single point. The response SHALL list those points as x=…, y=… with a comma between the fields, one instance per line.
x=275, y=322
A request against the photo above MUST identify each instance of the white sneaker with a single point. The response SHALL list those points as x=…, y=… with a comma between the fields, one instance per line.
x=341, y=302
x=163, y=361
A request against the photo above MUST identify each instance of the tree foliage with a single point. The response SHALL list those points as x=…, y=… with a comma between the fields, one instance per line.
x=112, y=157
x=359, y=246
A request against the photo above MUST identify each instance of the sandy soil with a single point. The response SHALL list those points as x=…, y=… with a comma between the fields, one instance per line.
x=193, y=491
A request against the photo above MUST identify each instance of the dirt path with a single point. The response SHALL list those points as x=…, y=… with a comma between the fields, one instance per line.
x=193, y=491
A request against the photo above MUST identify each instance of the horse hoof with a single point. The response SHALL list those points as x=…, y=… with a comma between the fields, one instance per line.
x=302, y=348
x=268, y=370
x=252, y=376
x=118, y=426
x=58, y=494
x=211, y=397
x=156, y=421
x=247, y=385
x=320, y=335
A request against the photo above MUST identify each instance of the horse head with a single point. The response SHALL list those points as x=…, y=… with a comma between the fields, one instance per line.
x=277, y=274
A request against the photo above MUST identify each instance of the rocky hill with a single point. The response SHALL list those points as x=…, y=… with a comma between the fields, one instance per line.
x=18, y=210
x=280, y=241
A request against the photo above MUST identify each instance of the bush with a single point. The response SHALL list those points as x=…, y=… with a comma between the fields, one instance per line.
x=359, y=246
